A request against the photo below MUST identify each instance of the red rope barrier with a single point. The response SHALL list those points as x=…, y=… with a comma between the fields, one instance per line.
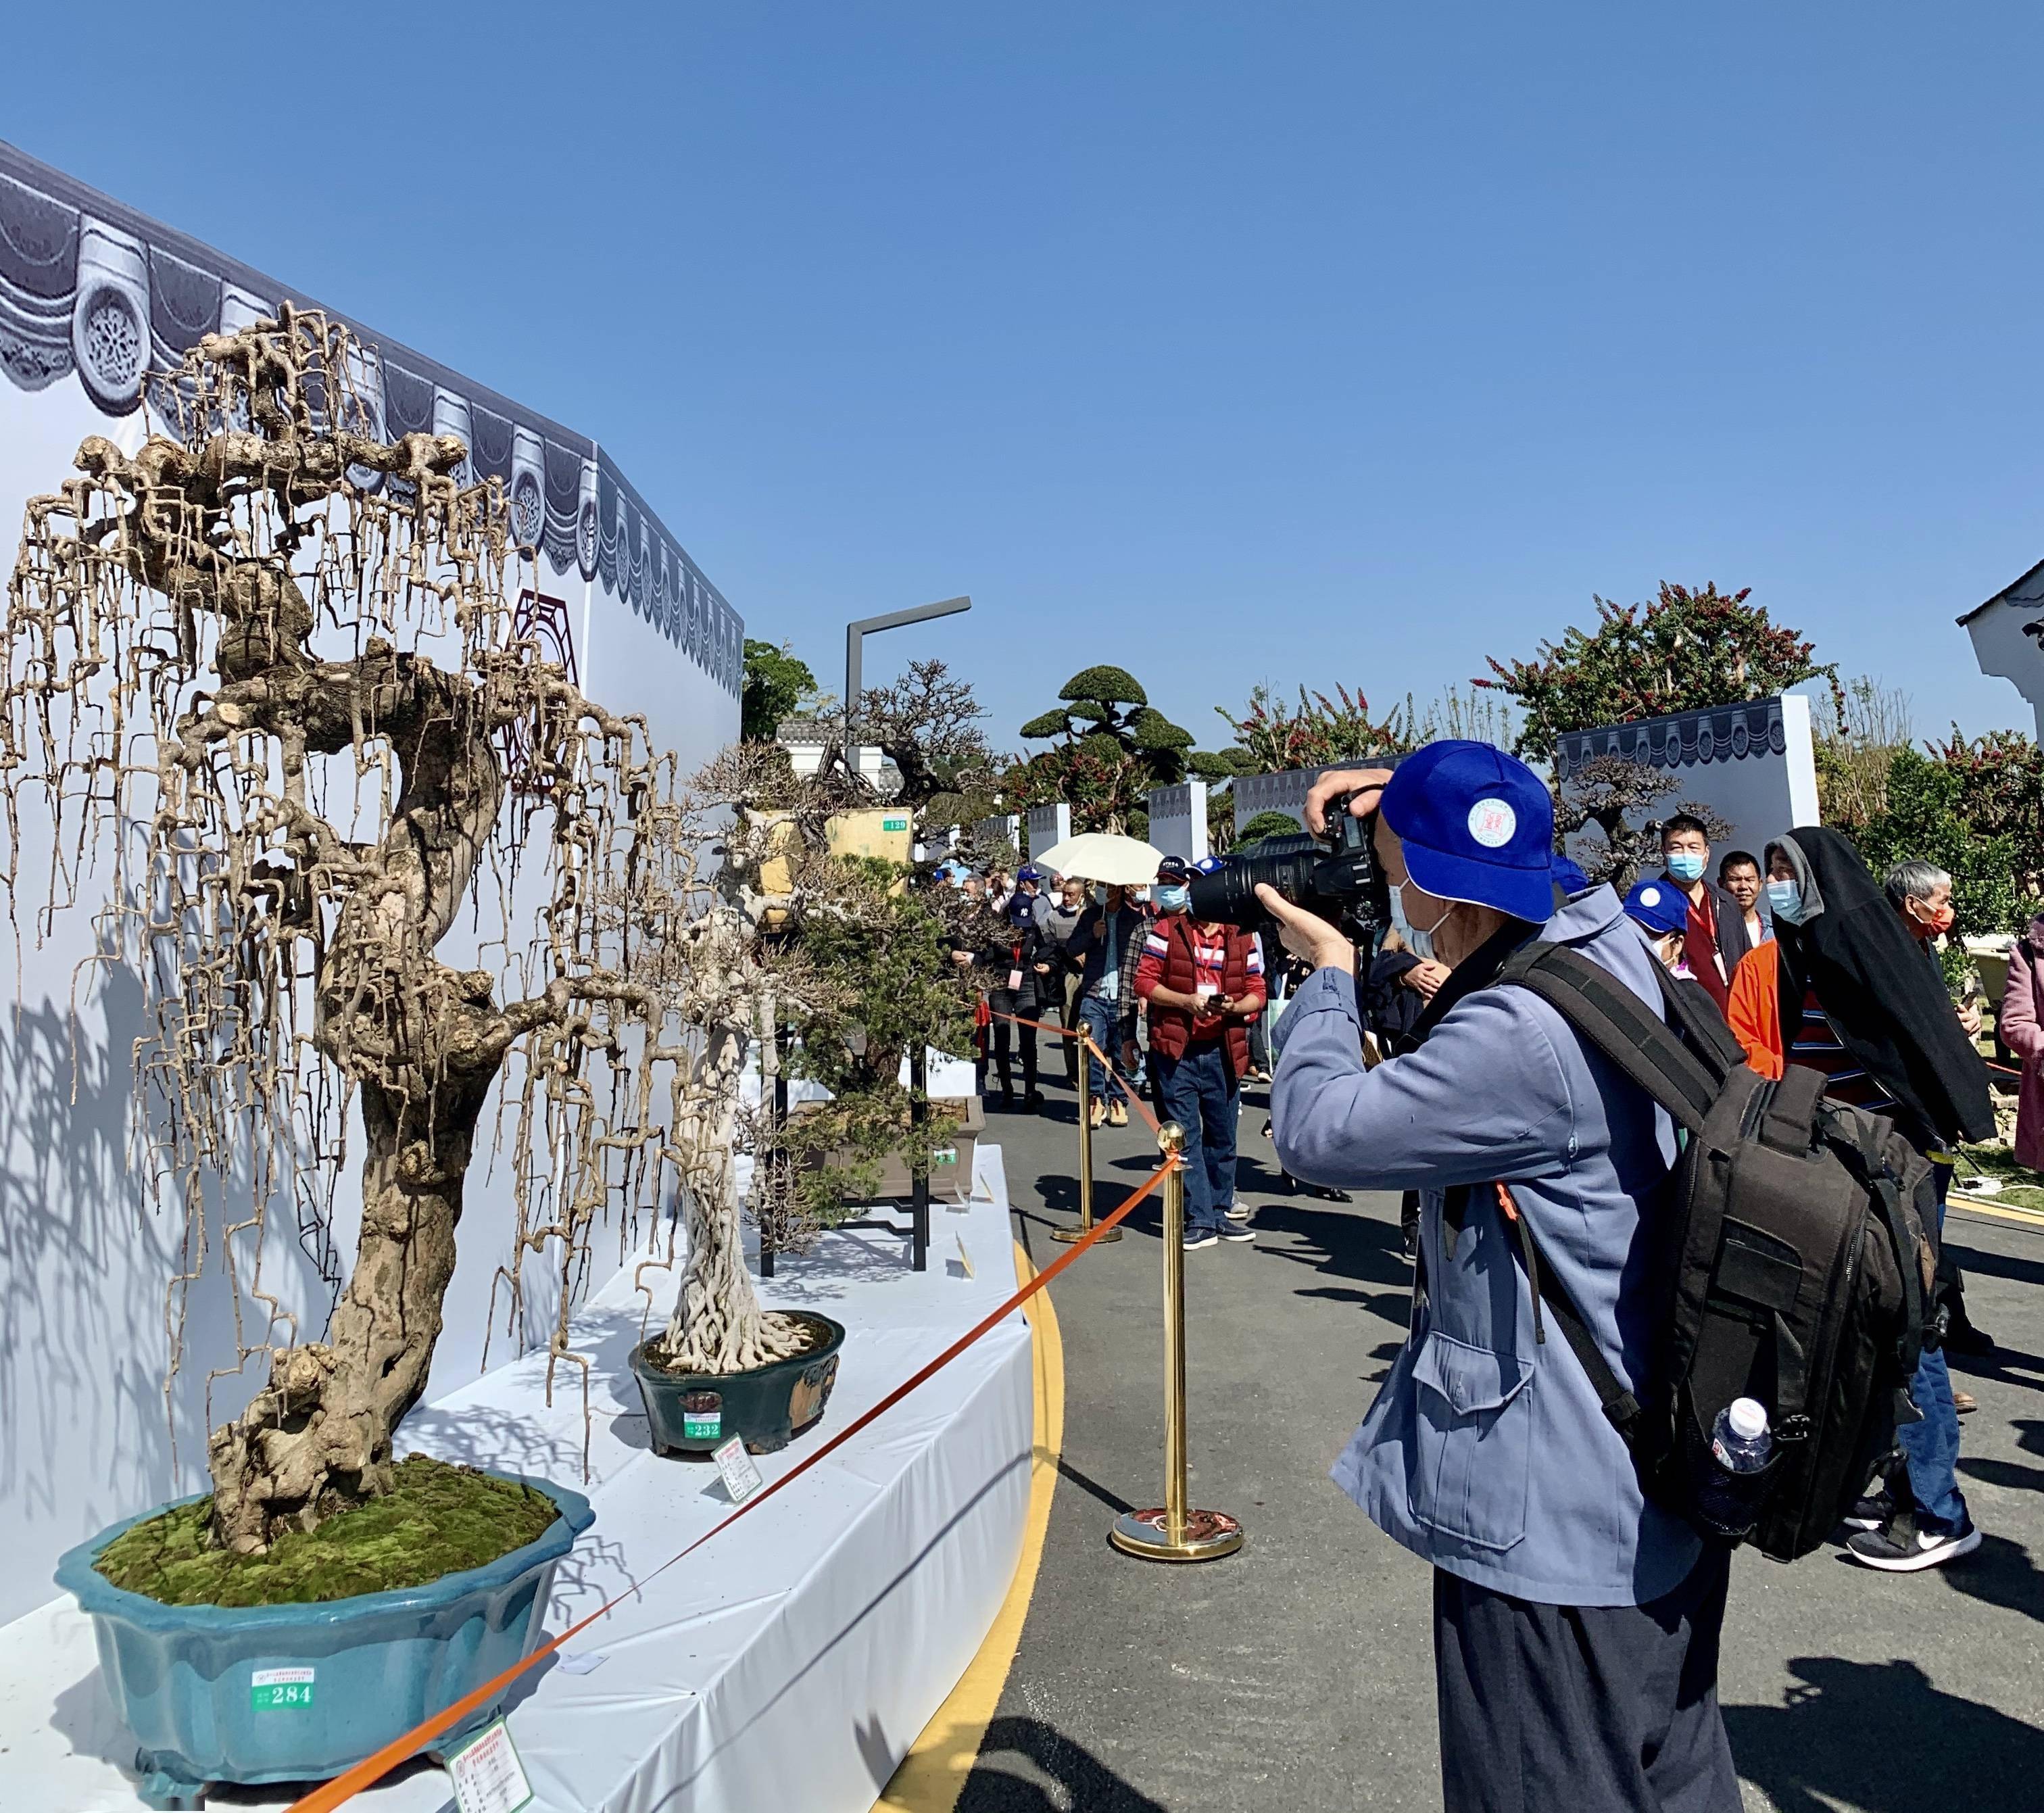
x=372, y=1769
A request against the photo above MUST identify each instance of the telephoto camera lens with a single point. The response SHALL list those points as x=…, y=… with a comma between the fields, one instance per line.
x=1342, y=885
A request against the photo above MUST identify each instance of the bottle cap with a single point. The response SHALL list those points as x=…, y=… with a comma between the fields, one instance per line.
x=1748, y=1418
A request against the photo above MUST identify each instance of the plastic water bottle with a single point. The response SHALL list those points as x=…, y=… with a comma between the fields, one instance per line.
x=1740, y=1447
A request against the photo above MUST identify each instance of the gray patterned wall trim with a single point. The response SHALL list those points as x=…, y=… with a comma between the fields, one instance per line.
x=91, y=288
x=1686, y=739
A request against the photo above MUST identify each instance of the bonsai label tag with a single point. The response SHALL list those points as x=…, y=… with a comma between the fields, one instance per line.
x=277, y=1690
x=741, y=1475
x=487, y=1775
x=944, y=1155
x=894, y=822
x=702, y=1415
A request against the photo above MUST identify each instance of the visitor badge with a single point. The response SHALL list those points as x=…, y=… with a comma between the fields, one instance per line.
x=1109, y=988
x=741, y=1475
x=1014, y=981
x=487, y=1775
x=1205, y=990
x=280, y=1690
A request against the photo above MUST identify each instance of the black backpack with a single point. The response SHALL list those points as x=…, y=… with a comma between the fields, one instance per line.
x=1792, y=1260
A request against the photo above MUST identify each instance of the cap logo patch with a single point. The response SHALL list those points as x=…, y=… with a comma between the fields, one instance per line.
x=1492, y=823
x=1650, y=896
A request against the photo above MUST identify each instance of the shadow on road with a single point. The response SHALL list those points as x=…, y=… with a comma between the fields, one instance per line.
x=1084, y=1783
x=1878, y=1736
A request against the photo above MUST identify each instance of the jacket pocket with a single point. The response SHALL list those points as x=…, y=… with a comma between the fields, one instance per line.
x=1473, y=1442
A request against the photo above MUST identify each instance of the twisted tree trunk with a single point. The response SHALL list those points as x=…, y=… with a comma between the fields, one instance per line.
x=718, y=1326
x=318, y=1437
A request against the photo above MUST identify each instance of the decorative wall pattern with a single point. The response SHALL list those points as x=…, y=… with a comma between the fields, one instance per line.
x=1687, y=739
x=91, y=288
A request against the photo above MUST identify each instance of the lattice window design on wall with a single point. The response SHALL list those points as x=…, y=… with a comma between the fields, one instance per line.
x=544, y=619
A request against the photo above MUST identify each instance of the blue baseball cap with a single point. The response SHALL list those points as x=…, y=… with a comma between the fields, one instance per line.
x=1028, y=872
x=1568, y=876
x=1659, y=906
x=1477, y=825
x=1208, y=866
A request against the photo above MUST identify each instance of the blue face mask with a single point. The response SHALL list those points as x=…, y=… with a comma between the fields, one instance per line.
x=1786, y=900
x=1685, y=865
x=1170, y=898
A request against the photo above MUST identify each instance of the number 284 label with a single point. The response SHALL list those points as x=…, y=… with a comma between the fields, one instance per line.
x=278, y=1690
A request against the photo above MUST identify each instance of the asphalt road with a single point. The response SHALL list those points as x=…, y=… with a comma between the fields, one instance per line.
x=1298, y=1676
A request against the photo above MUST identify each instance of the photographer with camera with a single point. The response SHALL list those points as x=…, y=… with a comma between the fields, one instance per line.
x=1576, y=1623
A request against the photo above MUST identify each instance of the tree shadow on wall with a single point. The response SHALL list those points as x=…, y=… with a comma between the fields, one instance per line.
x=85, y=1262
x=1878, y=1737
x=1078, y=1781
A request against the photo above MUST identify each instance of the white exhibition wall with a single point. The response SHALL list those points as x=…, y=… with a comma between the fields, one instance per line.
x=2008, y=634
x=90, y=294
x=1754, y=765
x=1178, y=820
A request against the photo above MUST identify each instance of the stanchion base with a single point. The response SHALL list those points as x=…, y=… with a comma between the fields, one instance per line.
x=1209, y=1535
x=1072, y=1236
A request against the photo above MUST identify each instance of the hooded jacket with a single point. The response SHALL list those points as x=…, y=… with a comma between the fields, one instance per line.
x=1882, y=991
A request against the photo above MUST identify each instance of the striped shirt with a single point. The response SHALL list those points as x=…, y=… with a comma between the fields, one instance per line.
x=1817, y=1046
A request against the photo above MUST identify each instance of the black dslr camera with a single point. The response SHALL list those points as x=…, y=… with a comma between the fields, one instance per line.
x=1338, y=878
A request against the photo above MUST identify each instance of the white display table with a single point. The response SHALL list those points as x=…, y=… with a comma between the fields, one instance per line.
x=788, y=1663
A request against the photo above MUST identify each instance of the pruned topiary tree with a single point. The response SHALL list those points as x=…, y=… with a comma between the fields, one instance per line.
x=266, y=667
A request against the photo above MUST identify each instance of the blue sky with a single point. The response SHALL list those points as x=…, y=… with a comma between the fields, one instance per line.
x=1333, y=343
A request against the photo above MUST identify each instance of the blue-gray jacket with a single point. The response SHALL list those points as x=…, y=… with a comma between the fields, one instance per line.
x=1486, y=1453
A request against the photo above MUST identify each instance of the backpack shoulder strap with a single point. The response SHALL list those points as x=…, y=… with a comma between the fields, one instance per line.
x=1637, y=1041
x=1620, y=1407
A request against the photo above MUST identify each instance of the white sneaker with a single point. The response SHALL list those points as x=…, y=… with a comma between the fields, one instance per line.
x=1905, y=1550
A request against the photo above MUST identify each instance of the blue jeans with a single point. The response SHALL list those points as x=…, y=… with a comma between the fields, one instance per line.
x=1198, y=1091
x=1931, y=1447
x=1101, y=1019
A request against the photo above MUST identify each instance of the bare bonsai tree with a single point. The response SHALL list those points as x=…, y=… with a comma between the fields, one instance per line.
x=1610, y=792
x=265, y=667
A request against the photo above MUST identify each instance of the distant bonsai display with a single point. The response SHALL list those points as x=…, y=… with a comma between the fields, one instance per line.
x=267, y=667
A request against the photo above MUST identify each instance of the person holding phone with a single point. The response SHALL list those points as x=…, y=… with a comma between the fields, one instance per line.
x=1203, y=983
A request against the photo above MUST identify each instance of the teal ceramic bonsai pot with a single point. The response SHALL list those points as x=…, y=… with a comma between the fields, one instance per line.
x=691, y=1413
x=298, y=1693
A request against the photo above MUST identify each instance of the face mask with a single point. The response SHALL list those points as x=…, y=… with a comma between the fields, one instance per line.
x=1170, y=899
x=1685, y=865
x=1099, y=893
x=1786, y=899
x=1420, y=943
x=1939, y=920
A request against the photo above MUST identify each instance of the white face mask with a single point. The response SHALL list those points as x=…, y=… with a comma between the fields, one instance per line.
x=1420, y=943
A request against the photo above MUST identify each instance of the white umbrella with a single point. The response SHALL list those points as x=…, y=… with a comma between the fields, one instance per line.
x=1101, y=856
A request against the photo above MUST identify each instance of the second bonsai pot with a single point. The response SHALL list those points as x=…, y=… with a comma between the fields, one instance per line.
x=691, y=1413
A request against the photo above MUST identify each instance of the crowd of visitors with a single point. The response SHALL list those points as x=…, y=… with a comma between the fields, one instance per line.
x=1577, y=1617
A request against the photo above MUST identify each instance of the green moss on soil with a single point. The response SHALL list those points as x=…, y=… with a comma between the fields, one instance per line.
x=437, y=1520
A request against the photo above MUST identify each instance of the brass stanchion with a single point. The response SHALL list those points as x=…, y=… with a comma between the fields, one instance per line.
x=1171, y=1532
x=1068, y=1235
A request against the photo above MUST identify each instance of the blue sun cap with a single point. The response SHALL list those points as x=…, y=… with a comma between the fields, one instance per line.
x=1660, y=906
x=1569, y=877
x=1476, y=825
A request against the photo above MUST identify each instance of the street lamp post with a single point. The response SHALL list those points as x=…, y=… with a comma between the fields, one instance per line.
x=856, y=633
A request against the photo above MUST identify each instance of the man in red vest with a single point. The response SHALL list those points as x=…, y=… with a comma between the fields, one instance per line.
x=1204, y=984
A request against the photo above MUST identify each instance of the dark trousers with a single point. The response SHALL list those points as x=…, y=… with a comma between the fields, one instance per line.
x=1198, y=1091
x=1583, y=1709
x=1005, y=1001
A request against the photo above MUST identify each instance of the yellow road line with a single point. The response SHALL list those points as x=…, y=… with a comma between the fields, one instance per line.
x=932, y=1775
x=1977, y=1205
